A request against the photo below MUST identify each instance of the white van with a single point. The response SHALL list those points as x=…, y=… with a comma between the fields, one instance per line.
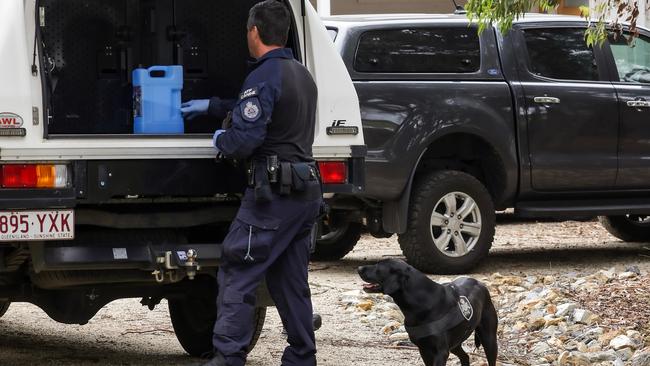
x=91, y=212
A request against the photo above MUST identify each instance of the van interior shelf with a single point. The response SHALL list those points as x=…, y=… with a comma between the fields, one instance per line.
x=91, y=47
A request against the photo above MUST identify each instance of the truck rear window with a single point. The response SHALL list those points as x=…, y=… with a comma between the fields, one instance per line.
x=419, y=50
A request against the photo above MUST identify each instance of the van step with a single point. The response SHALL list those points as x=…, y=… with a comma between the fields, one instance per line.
x=604, y=207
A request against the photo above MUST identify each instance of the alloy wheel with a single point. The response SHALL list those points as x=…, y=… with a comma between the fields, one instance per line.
x=455, y=224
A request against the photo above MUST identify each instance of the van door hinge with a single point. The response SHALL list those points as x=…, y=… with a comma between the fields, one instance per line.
x=35, y=117
x=41, y=16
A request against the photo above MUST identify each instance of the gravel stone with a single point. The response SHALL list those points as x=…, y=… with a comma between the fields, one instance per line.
x=622, y=341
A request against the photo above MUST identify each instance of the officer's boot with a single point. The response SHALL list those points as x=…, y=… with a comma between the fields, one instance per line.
x=217, y=360
x=317, y=321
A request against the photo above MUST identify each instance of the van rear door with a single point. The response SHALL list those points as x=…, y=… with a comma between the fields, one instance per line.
x=339, y=134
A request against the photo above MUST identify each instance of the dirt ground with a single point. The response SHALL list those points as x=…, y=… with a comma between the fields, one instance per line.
x=125, y=333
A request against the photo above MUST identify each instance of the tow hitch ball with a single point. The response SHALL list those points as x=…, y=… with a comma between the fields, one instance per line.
x=171, y=264
x=191, y=265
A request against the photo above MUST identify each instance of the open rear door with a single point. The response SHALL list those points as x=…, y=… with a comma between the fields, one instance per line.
x=339, y=134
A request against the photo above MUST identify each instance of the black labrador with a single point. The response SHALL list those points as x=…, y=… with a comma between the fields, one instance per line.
x=438, y=317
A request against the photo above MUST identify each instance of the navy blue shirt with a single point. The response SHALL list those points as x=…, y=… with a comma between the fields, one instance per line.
x=275, y=113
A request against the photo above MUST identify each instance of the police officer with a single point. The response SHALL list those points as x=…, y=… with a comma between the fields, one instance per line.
x=272, y=127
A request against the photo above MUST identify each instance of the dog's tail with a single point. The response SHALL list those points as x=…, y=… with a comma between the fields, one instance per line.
x=477, y=339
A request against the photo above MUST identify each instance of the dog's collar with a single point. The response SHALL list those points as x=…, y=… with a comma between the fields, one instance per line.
x=451, y=320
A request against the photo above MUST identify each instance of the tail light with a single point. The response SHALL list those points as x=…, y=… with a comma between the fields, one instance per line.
x=333, y=172
x=34, y=176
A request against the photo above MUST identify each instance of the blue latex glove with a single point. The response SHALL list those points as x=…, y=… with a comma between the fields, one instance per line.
x=195, y=108
x=214, y=140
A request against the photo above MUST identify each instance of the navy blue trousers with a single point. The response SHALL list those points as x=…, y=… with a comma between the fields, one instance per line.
x=267, y=241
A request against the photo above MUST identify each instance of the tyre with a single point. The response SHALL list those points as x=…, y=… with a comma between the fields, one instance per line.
x=628, y=227
x=451, y=223
x=4, y=306
x=193, y=320
x=337, y=239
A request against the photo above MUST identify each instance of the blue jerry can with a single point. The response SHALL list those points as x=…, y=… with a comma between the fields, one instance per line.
x=157, y=100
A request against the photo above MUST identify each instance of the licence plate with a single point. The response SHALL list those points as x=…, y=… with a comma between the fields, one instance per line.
x=36, y=225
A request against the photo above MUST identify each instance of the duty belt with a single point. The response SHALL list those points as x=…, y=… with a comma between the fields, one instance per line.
x=283, y=178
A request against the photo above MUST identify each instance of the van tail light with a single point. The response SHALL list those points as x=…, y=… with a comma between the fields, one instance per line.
x=333, y=172
x=34, y=176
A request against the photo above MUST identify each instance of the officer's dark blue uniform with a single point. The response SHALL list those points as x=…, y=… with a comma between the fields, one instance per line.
x=274, y=115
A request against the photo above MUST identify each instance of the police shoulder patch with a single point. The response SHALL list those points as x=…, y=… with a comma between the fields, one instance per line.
x=251, y=110
x=248, y=93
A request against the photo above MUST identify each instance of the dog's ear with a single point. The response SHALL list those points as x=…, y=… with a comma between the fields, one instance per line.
x=397, y=280
x=405, y=278
x=392, y=284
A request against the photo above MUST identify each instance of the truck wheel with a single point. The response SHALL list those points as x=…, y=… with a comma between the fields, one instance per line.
x=4, y=306
x=337, y=239
x=451, y=223
x=628, y=227
x=193, y=320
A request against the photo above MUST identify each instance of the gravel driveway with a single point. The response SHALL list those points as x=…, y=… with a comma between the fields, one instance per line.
x=125, y=333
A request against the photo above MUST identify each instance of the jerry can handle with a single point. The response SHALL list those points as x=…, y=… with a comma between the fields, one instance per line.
x=158, y=71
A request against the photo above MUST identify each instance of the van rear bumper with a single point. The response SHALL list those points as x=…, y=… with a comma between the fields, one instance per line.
x=62, y=256
x=28, y=199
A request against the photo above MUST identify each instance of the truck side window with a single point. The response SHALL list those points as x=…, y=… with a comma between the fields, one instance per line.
x=419, y=50
x=560, y=53
x=632, y=63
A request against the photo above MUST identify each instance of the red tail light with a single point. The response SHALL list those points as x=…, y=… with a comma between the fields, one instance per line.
x=18, y=176
x=333, y=172
x=34, y=176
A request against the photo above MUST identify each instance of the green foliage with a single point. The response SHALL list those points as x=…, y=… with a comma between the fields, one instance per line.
x=503, y=13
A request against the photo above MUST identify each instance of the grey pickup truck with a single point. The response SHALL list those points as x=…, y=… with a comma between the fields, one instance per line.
x=459, y=125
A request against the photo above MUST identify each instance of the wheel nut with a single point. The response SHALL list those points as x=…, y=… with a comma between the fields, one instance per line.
x=446, y=222
x=456, y=233
x=461, y=226
x=459, y=217
x=448, y=231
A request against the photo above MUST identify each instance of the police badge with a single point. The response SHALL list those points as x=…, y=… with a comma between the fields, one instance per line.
x=465, y=308
x=251, y=110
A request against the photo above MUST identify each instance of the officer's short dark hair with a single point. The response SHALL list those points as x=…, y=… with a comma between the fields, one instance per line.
x=272, y=19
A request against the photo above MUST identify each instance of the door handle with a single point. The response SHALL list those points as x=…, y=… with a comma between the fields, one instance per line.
x=638, y=104
x=547, y=100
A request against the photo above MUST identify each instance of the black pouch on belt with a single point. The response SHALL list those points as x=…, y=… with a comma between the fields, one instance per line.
x=302, y=174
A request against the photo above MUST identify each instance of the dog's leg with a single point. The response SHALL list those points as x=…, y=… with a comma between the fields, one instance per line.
x=462, y=355
x=427, y=355
x=440, y=358
x=487, y=332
